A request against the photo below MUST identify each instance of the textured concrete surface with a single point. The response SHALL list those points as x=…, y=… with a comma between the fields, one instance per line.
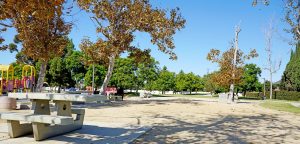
x=91, y=133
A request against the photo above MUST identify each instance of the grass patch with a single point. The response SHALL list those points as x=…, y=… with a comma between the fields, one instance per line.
x=184, y=96
x=281, y=106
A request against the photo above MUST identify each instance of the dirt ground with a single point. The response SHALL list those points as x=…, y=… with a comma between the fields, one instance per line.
x=177, y=120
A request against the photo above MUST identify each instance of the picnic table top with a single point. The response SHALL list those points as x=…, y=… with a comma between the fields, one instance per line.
x=58, y=97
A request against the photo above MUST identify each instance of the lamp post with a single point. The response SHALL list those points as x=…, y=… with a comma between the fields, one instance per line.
x=264, y=88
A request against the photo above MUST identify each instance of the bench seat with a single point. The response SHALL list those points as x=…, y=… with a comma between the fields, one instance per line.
x=47, y=119
x=115, y=97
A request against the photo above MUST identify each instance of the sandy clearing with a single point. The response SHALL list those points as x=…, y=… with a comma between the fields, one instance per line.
x=178, y=120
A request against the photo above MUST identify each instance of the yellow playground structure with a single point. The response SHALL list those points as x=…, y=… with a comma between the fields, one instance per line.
x=28, y=78
x=8, y=83
x=7, y=78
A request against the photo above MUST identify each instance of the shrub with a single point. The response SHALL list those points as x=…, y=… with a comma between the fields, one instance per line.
x=254, y=95
x=280, y=95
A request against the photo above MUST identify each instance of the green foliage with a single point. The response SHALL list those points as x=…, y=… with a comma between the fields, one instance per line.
x=146, y=74
x=250, y=78
x=59, y=73
x=123, y=73
x=75, y=64
x=189, y=82
x=100, y=72
x=291, y=76
x=180, y=81
x=165, y=81
x=280, y=95
x=193, y=82
x=17, y=70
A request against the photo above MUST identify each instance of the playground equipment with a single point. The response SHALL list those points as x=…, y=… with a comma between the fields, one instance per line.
x=28, y=78
x=7, y=85
x=7, y=78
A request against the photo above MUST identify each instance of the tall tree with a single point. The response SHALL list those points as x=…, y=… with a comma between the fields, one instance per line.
x=58, y=73
x=290, y=79
x=180, y=81
x=231, y=64
x=118, y=20
x=40, y=27
x=93, y=53
x=272, y=67
x=165, y=81
x=250, y=78
x=193, y=82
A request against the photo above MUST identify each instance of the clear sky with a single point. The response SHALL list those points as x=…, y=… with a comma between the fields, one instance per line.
x=210, y=24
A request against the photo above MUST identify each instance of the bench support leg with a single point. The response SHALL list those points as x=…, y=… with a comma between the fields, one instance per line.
x=43, y=131
x=15, y=129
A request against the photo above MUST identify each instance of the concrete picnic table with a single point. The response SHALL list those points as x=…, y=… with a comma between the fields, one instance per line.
x=41, y=122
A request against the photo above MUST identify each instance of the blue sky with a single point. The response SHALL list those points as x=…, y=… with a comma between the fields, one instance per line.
x=210, y=24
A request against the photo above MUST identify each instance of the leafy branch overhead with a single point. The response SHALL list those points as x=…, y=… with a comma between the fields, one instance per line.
x=118, y=20
x=39, y=25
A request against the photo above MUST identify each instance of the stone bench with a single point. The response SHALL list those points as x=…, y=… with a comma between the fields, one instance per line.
x=43, y=122
x=47, y=119
x=43, y=125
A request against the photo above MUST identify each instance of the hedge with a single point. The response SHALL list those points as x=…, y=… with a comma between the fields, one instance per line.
x=280, y=95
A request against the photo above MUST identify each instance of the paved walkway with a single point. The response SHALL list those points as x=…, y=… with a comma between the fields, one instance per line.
x=91, y=133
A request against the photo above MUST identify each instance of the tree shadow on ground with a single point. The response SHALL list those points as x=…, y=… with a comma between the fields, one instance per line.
x=228, y=129
x=126, y=103
x=89, y=134
x=158, y=101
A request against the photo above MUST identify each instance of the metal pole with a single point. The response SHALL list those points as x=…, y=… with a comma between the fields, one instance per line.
x=93, y=78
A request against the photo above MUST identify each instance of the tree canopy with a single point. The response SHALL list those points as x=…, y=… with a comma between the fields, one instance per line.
x=250, y=76
x=40, y=27
x=290, y=79
x=118, y=20
x=225, y=61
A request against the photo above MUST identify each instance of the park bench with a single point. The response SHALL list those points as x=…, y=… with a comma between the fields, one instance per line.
x=111, y=92
x=41, y=123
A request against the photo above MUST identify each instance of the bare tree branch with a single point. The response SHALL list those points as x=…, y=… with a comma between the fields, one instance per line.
x=6, y=25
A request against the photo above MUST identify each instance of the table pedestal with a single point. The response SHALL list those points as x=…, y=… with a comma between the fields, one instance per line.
x=15, y=129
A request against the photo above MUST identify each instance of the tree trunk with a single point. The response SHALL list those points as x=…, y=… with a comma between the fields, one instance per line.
x=136, y=90
x=231, y=93
x=59, y=88
x=236, y=47
x=109, y=73
x=93, y=79
x=271, y=86
x=42, y=75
